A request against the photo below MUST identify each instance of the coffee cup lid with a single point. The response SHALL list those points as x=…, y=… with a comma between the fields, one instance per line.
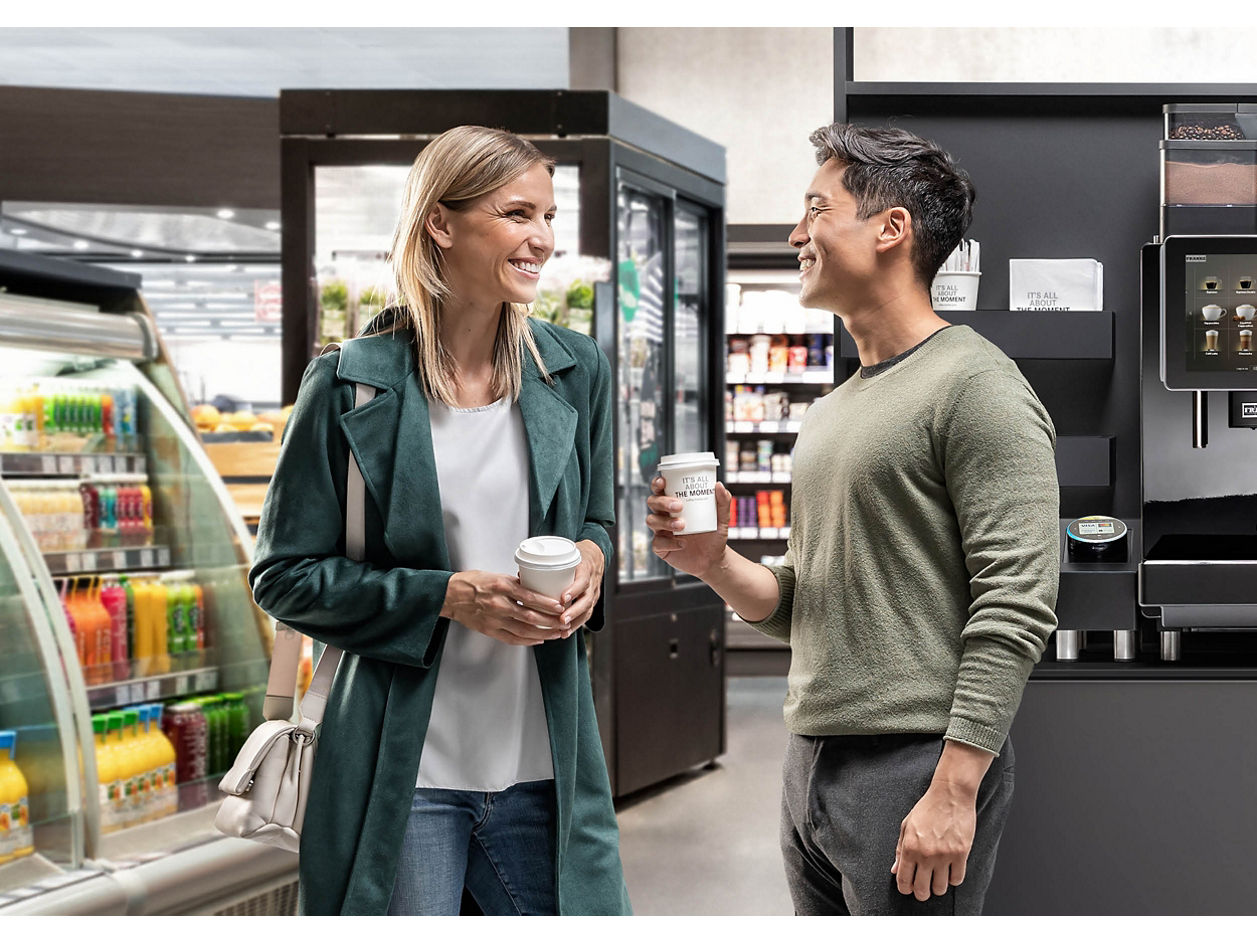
x=688, y=458
x=547, y=552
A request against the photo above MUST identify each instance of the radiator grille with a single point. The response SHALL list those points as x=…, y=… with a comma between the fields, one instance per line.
x=278, y=901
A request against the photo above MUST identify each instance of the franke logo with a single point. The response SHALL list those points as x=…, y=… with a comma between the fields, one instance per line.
x=1197, y=258
x=1248, y=410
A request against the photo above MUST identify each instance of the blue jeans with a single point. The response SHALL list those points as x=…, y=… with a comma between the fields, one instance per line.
x=500, y=845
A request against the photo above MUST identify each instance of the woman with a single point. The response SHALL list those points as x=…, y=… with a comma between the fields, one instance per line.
x=459, y=746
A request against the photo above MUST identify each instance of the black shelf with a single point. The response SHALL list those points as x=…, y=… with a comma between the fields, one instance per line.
x=108, y=559
x=64, y=464
x=1030, y=335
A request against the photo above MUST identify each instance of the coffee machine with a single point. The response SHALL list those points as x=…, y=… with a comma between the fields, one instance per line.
x=1198, y=418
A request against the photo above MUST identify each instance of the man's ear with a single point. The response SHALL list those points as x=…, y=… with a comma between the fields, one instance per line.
x=439, y=226
x=896, y=228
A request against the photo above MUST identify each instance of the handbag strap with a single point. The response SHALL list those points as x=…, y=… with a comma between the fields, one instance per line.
x=281, y=682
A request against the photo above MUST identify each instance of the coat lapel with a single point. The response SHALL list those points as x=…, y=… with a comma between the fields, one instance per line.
x=550, y=427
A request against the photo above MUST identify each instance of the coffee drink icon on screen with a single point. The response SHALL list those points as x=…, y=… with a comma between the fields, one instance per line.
x=1211, y=341
x=1246, y=341
x=1246, y=282
x=1245, y=312
x=1211, y=282
x=1212, y=313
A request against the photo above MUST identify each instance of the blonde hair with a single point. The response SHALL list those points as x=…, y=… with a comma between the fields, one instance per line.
x=456, y=168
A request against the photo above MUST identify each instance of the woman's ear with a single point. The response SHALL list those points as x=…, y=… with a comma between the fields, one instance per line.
x=439, y=226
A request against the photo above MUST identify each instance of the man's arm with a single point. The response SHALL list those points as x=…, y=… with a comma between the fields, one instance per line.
x=996, y=443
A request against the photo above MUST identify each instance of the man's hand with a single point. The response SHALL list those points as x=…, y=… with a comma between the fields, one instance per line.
x=937, y=835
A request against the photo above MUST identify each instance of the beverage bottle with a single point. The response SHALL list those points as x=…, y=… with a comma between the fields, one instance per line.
x=160, y=623
x=106, y=420
x=198, y=612
x=106, y=774
x=108, y=511
x=238, y=724
x=129, y=594
x=104, y=634
x=151, y=763
x=169, y=797
x=28, y=435
x=121, y=796
x=37, y=396
x=185, y=725
x=94, y=412
x=187, y=599
x=146, y=509
x=143, y=643
x=91, y=511
x=174, y=624
x=134, y=767
x=76, y=520
x=114, y=598
x=11, y=421
x=16, y=839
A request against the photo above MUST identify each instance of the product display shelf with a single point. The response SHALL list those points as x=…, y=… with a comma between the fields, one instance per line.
x=191, y=561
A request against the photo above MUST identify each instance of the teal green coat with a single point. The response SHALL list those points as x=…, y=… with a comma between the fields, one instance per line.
x=384, y=612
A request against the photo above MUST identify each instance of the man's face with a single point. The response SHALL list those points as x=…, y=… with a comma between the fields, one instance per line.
x=837, y=250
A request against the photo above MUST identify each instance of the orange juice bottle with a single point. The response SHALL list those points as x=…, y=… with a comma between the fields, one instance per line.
x=106, y=774
x=142, y=649
x=133, y=768
x=118, y=794
x=16, y=839
x=168, y=798
x=153, y=761
x=160, y=627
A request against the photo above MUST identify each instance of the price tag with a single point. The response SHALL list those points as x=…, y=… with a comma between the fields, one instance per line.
x=90, y=563
x=163, y=556
x=785, y=533
x=139, y=464
x=781, y=477
x=153, y=690
x=205, y=681
x=48, y=464
x=146, y=559
x=744, y=426
x=66, y=464
x=73, y=562
x=119, y=559
x=768, y=533
x=107, y=465
x=181, y=685
x=768, y=427
x=761, y=477
x=135, y=692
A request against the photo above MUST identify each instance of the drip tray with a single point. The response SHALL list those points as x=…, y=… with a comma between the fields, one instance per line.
x=1213, y=575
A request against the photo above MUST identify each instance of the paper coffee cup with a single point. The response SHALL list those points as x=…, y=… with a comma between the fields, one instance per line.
x=547, y=564
x=690, y=477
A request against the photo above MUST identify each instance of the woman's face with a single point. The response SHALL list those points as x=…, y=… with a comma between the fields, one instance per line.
x=494, y=248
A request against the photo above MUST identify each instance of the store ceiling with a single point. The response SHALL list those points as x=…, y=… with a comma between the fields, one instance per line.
x=261, y=61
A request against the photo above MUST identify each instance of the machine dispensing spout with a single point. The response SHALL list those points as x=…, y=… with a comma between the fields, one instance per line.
x=1200, y=419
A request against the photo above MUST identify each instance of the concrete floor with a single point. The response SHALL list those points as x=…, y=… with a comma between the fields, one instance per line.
x=705, y=843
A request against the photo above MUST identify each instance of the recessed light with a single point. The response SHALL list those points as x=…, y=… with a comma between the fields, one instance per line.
x=18, y=231
x=136, y=253
x=225, y=213
x=81, y=245
x=189, y=258
x=272, y=225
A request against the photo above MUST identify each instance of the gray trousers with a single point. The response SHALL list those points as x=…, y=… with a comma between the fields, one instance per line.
x=843, y=801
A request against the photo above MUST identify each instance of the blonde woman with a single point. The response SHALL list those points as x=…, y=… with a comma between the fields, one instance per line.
x=459, y=748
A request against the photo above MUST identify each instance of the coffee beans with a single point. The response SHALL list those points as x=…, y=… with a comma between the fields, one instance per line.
x=1202, y=132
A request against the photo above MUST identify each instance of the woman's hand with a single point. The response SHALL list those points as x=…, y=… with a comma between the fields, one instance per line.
x=499, y=607
x=697, y=554
x=582, y=595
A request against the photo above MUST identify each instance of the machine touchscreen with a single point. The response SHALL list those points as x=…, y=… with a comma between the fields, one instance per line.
x=1208, y=309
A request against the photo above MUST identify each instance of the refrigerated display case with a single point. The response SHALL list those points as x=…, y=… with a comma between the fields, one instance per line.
x=122, y=592
x=640, y=234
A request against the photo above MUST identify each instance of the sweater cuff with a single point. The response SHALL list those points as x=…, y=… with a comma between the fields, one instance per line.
x=973, y=734
x=777, y=624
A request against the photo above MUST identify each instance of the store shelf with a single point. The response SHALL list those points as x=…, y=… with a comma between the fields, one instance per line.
x=823, y=376
x=1030, y=335
x=759, y=533
x=54, y=464
x=763, y=428
x=757, y=477
x=146, y=689
x=80, y=562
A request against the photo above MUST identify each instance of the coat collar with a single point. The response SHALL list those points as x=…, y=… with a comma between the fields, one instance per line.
x=397, y=423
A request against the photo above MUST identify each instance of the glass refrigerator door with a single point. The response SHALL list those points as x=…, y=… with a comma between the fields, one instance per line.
x=643, y=371
x=692, y=312
x=143, y=576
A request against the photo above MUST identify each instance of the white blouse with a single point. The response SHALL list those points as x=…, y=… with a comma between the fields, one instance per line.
x=488, y=727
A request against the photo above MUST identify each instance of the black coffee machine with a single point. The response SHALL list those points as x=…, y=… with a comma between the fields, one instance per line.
x=1198, y=420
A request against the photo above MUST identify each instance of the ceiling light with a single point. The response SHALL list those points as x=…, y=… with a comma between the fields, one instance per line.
x=136, y=253
x=80, y=245
x=18, y=231
x=189, y=258
x=272, y=225
x=225, y=213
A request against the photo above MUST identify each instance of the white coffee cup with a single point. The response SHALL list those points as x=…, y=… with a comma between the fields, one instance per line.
x=1213, y=312
x=547, y=564
x=1245, y=312
x=691, y=478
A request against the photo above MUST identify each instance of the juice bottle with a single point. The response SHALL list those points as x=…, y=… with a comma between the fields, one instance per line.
x=129, y=595
x=16, y=839
x=28, y=436
x=133, y=765
x=165, y=750
x=114, y=598
x=160, y=628
x=238, y=727
x=107, y=490
x=113, y=742
x=142, y=648
x=76, y=521
x=91, y=510
x=152, y=761
x=106, y=773
x=198, y=621
x=12, y=420
x=37, y=401
x=104, y=633
x=146, y=512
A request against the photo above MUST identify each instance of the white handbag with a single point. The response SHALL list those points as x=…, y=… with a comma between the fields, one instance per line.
x=269, y=782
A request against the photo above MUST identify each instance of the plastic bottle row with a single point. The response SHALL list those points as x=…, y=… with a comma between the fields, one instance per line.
x=766, y=509
x=16, y=837
x=136, y=767
x=62, y=415
x=97, y=512
x=136, y=625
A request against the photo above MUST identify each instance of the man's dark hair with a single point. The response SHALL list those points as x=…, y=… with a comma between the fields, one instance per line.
x=892, y=167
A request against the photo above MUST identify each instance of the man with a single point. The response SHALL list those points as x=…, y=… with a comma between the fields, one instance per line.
x=921, y=575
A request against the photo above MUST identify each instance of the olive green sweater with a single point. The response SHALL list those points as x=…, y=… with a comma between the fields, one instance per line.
x=920, y=581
